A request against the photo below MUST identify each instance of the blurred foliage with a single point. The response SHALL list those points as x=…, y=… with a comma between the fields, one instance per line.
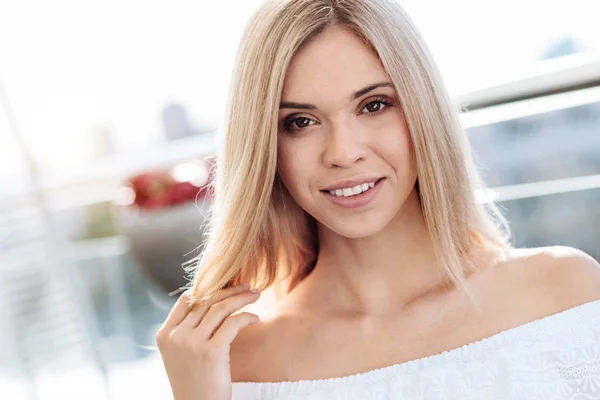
x=99, y=222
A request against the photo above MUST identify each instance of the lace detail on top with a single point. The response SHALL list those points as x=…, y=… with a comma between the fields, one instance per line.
x=553, y=358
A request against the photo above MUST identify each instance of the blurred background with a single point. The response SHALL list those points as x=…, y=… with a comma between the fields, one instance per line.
x=109, y=112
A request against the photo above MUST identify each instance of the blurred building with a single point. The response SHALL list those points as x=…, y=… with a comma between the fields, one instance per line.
x=176, y=123
x=562, y=47
x=554, y=145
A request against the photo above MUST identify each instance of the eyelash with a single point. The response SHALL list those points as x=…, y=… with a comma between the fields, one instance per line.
x=383, y=100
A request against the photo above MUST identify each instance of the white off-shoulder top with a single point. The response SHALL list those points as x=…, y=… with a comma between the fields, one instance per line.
x=553, y=358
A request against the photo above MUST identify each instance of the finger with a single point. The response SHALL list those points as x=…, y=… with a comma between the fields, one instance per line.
x=182, y=307
x=198, y=312
x=223, y=309
x=229, y=329
x=228, y=292
x=178, y=312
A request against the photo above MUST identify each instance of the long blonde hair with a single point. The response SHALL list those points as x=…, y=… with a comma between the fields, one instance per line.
x=257, y=232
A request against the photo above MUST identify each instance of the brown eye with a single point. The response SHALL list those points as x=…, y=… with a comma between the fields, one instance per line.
x=299, y=123
x=302, y=122
x=375, y=106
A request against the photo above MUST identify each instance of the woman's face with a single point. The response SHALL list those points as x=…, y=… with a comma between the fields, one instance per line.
x=344, y=151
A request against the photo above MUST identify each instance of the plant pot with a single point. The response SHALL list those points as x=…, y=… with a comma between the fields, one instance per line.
x=162, y=240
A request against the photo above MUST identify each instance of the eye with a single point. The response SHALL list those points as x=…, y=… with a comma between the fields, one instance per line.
x=300, y=123
x=376, y=106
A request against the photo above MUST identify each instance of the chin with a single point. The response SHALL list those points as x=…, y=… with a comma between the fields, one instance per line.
x=355, y=228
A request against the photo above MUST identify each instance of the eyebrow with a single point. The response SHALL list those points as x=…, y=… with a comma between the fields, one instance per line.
x=354, y=96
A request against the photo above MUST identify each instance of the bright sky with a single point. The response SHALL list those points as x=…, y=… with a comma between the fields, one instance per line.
x=71, y=65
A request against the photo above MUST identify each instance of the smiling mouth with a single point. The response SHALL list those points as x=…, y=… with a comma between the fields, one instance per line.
x=353, y=191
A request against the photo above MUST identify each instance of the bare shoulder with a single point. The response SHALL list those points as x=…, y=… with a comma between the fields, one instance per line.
x=561, y=277
x=257, y=348
x=245, y=352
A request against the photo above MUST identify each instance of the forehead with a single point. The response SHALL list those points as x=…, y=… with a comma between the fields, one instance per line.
x=334, y=64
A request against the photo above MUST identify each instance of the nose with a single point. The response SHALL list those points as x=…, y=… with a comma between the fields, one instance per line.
x=343, y=146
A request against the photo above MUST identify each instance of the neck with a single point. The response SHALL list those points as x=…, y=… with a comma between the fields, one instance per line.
x=380, y=273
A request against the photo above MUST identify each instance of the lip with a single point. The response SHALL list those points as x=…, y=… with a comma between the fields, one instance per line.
x=359, y=200
x=350, y=183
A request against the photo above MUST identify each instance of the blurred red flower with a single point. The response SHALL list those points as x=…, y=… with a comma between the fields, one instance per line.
x=161, y=188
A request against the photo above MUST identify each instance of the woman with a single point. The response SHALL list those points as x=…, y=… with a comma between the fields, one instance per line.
x=345, y=192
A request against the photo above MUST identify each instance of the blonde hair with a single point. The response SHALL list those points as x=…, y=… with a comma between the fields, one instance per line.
x=257, y=233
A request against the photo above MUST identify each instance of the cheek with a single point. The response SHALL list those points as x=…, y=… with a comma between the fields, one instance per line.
x=396, y=146
x=289, y=165
x=396, y=150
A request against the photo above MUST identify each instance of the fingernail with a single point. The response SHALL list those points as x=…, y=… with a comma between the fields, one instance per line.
x=255, y=291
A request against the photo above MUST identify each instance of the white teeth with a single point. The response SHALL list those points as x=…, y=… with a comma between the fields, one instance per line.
x=347, y=192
